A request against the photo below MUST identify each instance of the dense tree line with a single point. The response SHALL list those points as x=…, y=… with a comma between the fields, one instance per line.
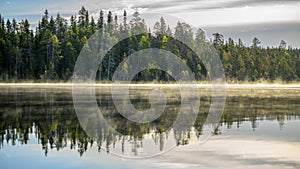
x=255, y=63
x=50, y=51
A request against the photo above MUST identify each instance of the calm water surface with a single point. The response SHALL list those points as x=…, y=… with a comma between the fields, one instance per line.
x=39, y=128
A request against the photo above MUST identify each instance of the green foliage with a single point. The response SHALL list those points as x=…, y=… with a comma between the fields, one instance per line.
x=50, y=52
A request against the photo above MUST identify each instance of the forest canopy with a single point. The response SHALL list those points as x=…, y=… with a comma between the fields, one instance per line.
x=49, y=51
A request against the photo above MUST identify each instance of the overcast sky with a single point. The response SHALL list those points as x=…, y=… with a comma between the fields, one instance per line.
x=269, y=20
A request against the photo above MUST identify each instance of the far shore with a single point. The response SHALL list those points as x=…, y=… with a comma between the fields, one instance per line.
x=199, y=85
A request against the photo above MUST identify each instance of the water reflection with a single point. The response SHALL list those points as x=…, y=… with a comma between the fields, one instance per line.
x=48, y=114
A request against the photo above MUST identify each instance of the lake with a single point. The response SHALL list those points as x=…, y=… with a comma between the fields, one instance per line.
x=40, y=128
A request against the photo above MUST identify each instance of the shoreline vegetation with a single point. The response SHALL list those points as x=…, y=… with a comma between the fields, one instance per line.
x=231, y=84
x=48, y=52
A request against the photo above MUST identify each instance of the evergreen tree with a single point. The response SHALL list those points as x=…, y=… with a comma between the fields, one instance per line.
x=51, y=51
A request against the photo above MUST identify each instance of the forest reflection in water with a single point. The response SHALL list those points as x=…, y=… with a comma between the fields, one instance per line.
x=48, y=115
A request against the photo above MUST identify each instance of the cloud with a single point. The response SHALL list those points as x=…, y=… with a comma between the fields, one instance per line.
x=240, y=3
x=191, y=5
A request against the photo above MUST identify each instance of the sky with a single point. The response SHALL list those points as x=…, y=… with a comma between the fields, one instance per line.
x=269, y=20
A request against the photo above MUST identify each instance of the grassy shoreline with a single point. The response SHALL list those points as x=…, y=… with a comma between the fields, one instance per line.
x=200, y=85
x=261, y=81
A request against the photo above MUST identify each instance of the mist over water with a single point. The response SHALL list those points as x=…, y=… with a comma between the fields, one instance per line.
x=258, y=124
